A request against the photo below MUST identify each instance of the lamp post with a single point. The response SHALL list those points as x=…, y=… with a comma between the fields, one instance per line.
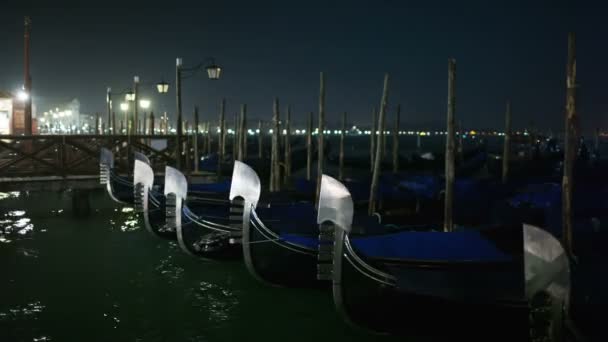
x=213, y=72
x=144, y=104
x=135, y=98
x=109, y=109
x=124, y=107
x=131, y=95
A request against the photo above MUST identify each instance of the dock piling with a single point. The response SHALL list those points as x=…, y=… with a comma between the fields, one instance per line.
x=378, y=157
x=396, y=140
x=449, y=149
x=571, y=140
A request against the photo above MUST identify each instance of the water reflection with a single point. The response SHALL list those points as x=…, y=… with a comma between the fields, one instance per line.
x=171, y=271
x=12, y=194
x=213, y=300
x=14, y=225
x=30, y=311
x=125, y=220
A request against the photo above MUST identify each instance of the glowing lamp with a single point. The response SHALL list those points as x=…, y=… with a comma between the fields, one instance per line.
x=22, y=95
x=214, y=71
x=162, y=87
x=145, y=104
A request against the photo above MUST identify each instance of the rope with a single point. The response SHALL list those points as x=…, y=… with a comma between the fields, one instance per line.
x=351, y=253
x=191, y=215
x=276, y=238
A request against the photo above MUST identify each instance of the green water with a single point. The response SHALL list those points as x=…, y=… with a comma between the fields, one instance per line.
x=105, y=278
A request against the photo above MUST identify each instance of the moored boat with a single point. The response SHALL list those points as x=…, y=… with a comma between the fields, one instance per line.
x=472, y=283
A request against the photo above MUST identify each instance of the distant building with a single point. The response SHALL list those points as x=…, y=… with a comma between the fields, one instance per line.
x=6, y=112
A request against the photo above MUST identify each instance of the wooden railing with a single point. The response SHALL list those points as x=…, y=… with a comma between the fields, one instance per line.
x=77, y=155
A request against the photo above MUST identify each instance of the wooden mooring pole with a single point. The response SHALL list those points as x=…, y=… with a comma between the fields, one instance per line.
x=372, y=149
x=196, y=158
x=275, y=175
x=242, y=152
x=506, y=152
x=236, y=137
x=221, y=148
x=396, y=140
x=96, y=123
x=570, y=145
x=448, y=224
x=320, y=134
x=287, y=145
x=378, y=157
x=260, y=138
x=341, y=160
x=209, y=141
x=309, y=147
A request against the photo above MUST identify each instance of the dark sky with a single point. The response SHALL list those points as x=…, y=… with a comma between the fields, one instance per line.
x=504, y=50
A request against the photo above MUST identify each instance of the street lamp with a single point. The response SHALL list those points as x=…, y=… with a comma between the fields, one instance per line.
x=144, y=103
x=162, y=87
x=129, y=96
x=213, y=72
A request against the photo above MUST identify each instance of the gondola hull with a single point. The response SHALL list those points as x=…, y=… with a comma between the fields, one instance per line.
x=415, y=309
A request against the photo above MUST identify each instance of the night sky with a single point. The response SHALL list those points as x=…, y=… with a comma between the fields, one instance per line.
x=504, y=50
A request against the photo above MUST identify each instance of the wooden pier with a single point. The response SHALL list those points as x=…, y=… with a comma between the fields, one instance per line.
x=51, y=162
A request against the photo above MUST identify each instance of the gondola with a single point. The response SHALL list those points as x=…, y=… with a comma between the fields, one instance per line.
x=150, y=199
x=472, y=283
x=280, y=237
x=204, y=223
x=118, y=187
x=279, y=232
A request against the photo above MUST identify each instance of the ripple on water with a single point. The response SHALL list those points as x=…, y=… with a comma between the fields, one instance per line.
x=126, y=220
x=170, y=270
x=213, y=300
x=27, y=312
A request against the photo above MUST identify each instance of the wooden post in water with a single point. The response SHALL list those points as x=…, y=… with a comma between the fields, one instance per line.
x=460, y=150
x=151, y=123
x=236, y=137
x=396, y=140
x=309, y=148
x=221, y=148
x=287, y=145
x=196, y=157
x=341, y=160
x=449, y=150
x=260, y=138
x=570, y=145
x=320, y=135
x=378, y=158
x=96, y=123
x=243, y=134
x=186, y=148
x=372, y=149
x=114, y=123
x=209, y=147
x=275, y=176
x=506, y=152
